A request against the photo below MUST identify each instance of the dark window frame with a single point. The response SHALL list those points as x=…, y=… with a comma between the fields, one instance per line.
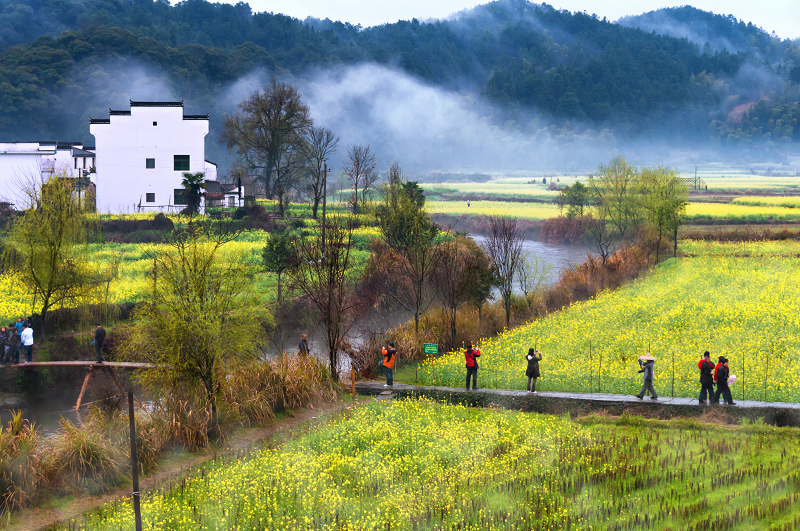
x=150, y=197
x=148, y=162
x=181, y=162
x=179, y=196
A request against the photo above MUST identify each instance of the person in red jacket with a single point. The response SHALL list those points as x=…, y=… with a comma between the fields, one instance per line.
x=706, y=367
x=389, y=355
x=471, y=354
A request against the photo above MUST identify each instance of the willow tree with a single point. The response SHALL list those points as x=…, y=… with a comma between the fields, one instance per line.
x=200, y=309
x=46, y=245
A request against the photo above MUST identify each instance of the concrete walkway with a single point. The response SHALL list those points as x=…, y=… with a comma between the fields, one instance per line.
x=588, y=398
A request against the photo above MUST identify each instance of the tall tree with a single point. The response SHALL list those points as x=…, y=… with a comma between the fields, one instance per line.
x=268, y=131
x=360, y=170
x=409, y=233
x=460, y=266
x=320, y=144
x=617, y=188
x=277, y=256
x=201, y=309
x=576, y=197
x=47, y=244
x=325, y=273
x=193, y=184
x=504, y=247
x=665, y=198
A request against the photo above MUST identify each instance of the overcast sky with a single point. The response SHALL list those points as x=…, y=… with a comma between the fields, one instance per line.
x=780, y=16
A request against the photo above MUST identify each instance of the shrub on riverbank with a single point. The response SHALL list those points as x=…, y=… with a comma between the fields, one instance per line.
x=94, y=455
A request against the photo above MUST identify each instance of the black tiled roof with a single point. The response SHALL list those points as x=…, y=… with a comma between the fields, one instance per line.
x=213, y=187
x=156, y=103
x=99, y=120
x=195, y=117
x=118, y=113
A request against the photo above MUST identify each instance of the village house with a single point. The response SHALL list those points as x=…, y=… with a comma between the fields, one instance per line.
x=144, y=152
x=24, y=162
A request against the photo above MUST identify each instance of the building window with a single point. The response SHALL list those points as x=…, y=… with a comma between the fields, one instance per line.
x=180, y=196
x=76, y=163
x=155, y=124
x=231, y=201
x=181, y=162
x=150, y=198
x=150, y=163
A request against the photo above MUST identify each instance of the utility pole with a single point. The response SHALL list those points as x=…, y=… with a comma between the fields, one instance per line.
x=324, y=201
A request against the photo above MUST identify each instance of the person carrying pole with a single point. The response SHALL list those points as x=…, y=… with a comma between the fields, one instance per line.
x=706, y=367
x=532, y=372
x=646, y=363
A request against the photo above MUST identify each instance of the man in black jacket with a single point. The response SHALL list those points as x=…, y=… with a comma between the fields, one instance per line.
x=722, y=384
x=706, y=367
x=99, y=339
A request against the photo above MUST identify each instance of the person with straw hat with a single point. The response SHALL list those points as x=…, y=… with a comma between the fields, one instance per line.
x=646, y=363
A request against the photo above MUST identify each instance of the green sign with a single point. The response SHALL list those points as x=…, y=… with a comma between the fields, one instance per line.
x=431, y=348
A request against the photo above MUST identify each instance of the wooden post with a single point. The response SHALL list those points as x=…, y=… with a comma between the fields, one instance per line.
x=137, y=510
x=352, y=382
x=766, y=375
x=119, y=385
x=590, y=365
x=599, y=369
x=83, y=389
x=742, y=374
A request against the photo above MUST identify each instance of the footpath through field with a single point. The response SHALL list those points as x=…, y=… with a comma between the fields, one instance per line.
x=782, y=413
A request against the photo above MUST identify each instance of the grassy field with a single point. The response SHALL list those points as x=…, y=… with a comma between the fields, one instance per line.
x=415, y=464
x=758, y=248
x=747, y=309
x=786, y=202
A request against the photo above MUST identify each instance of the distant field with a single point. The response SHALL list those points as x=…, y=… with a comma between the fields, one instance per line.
x=786, y=202
x=537, y=211
x=494, y=208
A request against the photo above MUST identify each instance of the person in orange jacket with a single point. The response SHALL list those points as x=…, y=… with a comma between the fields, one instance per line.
x=471, y=354
x=389, y=355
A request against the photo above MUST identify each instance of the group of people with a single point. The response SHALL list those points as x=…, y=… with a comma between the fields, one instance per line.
x=14, y=338
x=710, y=375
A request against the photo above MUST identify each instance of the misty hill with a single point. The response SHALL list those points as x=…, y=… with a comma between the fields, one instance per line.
x=62, y=61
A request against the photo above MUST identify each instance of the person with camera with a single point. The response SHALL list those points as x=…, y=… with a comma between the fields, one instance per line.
x=532, y=372
x=706, y=367
x=472, y=355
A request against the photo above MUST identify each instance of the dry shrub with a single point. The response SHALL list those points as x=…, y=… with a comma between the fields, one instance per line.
x=20, y=470
x=304, y=380
x=563, y=230
x=746, y=234
x=85, y=458
x=252, y=389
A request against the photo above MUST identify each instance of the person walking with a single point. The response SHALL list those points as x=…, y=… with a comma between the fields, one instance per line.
x=99, y=339
x=27, y=342
x=303, y=348
x=706, y=367
x=471, y=354
x=646, y=363
x=389, y=356
x=532, y=372
x=723, y=372
x=720, y=359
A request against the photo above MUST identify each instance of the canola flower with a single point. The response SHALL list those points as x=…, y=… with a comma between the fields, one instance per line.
x=416, y=464
x=747, y=309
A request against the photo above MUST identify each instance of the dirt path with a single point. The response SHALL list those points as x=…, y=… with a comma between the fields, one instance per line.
x=42, y=517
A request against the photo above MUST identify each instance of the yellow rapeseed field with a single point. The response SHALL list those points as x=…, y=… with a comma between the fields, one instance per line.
x=747, y=309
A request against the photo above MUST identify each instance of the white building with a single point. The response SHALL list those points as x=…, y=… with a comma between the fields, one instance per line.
x=21, y=162
x=143, y=153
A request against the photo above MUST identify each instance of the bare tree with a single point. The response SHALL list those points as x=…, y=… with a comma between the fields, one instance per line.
x=504, y=247
x=360, y=170
x=325, y=274
x=532, y=272
x=460, y=266
x=320, y=144
x=601, y=237
x=267, y=132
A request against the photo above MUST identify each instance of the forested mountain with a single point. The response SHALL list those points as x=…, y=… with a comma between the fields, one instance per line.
x=62, y=61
